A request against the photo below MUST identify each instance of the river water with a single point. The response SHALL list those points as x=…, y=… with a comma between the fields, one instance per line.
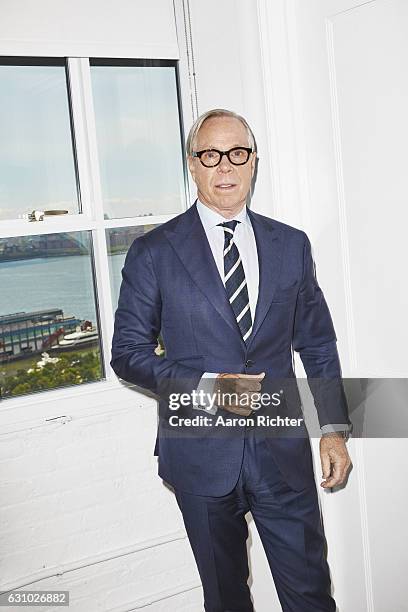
x=54, y=282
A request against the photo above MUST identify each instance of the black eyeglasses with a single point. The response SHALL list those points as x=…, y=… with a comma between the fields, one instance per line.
x=238, y=156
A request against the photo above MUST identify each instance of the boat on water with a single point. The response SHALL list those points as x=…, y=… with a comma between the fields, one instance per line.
x=80, y=338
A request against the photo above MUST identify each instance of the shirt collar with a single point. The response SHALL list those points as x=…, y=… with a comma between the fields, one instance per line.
x=210, y=218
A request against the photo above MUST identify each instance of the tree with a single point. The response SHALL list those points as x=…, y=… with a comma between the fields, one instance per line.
x=71, y=369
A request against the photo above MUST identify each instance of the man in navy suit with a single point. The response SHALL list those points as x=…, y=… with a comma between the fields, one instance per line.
x=232, y=293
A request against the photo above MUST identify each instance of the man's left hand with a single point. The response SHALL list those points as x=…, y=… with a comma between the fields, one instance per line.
x=335, y=460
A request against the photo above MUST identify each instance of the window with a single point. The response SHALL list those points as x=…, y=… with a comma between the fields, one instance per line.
x=139, y=144
x=56, y=308
x=50, y=336
x=37, y=165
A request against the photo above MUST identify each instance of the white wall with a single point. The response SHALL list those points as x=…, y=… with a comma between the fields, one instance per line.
x=81, y=506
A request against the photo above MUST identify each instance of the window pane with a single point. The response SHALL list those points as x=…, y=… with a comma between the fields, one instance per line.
x=49, y=331
x=139, y=138
x=37, y=168
x=118, y=241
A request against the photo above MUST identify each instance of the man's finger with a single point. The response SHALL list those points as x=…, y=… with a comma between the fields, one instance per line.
x=326, y=465
x=336, y=473
x=339, y=472
x=248, y=385
x=345, y=470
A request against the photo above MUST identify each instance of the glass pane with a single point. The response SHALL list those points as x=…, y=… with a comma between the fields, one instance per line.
x=139, y=139
x=118, y=242
x=37, y=168
x=49, y=331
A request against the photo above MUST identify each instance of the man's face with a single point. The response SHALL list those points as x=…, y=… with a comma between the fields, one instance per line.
x=225, y=187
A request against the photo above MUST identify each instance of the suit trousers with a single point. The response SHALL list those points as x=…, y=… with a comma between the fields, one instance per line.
x=289, y=525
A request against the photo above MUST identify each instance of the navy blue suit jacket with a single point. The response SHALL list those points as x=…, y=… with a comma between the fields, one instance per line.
x=171, y=285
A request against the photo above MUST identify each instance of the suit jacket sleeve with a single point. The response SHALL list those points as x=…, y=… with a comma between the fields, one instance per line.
x=315, y=340
x=136, y=329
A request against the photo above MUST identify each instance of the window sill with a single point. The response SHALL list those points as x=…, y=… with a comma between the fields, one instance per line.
x=61, y=405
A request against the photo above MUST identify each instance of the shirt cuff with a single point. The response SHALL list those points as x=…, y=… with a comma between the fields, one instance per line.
x=205, y=390
x=330, y=428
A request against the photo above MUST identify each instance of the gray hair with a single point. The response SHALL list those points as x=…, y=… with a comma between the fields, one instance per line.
x=216, y=112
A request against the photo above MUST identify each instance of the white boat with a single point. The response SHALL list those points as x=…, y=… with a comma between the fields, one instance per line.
x=78, y=338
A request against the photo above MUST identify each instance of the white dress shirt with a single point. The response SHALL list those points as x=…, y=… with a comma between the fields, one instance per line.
x=244, y=238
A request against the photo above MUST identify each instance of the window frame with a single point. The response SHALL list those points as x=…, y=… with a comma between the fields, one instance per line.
x=91, y=214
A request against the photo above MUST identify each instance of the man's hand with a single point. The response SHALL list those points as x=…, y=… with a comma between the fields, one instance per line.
x=335, y=460
x=236, y=389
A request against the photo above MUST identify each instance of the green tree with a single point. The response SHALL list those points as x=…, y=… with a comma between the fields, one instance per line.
x=71, y=369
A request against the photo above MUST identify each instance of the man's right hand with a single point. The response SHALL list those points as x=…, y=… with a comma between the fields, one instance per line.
x=236, y=389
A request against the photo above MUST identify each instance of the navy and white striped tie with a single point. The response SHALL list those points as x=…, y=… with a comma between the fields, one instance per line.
x=234, y=278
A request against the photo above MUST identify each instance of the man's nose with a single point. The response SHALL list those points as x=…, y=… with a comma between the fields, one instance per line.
x=225, y=164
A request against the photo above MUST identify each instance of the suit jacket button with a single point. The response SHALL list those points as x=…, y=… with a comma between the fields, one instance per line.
x=249, y=363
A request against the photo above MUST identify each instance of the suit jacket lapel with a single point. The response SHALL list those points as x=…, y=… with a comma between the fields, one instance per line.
x=269, y=240
x=190, y=242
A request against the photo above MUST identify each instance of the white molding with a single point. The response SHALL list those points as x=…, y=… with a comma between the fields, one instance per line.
x=149, y=600
x=284, y=112
x=266, y=40
x=352, y=4
x=81, y=49
x=116, y=553
x=68, y=410
x=75, y=223
x=345, y=251
x=186, y=93
x=91, y=197
x=102, y=289
x=48, y=400
x=87, y=129
x=137, y=221
x=50, y=225
x=365, y=531
x=186, y=27
x=252, y=101
x=298, y=118
x=350, y=326
x=83, y=159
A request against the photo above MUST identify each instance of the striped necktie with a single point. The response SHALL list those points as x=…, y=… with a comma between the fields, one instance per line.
x=234, y=278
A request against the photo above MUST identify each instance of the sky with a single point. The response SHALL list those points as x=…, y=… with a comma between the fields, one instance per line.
x=138, y=139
